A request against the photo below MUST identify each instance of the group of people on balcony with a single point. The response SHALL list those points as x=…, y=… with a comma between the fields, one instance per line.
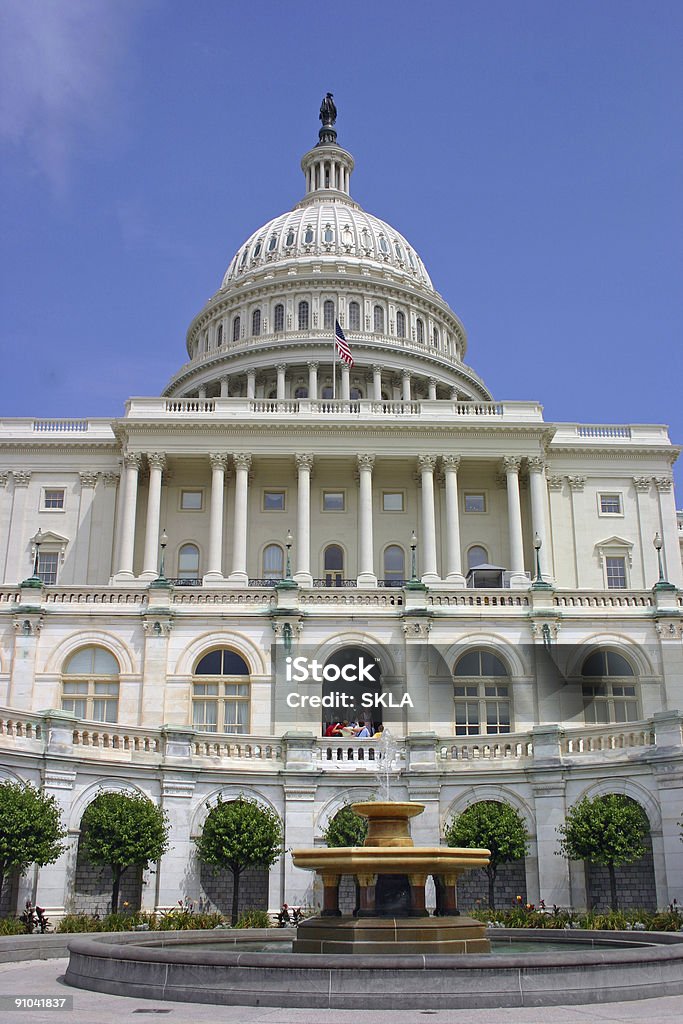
x=357, y=730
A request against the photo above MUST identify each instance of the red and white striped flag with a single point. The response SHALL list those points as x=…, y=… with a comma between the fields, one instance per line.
x=342, y=345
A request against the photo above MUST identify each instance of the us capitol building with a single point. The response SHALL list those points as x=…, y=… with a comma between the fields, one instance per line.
x=518, y=580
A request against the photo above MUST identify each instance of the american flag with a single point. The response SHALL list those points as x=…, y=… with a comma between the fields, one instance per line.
x=342, y=345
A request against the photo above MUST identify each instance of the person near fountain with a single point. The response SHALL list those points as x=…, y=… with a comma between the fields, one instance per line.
x=377, y=735
x=334, y=729
x=363, y=732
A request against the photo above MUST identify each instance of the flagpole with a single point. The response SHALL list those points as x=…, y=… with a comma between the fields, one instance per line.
x=334, y=362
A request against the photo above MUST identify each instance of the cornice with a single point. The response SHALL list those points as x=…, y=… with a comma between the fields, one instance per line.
x=669, y=452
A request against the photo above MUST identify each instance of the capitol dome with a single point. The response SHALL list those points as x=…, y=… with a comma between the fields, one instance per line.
x=326, y=261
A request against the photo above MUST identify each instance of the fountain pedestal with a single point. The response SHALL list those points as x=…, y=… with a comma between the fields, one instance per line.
x=391, y=874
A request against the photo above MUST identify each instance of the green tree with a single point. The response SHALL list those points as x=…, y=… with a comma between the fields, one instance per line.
x=30, y=828
x=493, y=826
x=237, y=835
x=608, y=830
x=119, y=831
x=346, y=828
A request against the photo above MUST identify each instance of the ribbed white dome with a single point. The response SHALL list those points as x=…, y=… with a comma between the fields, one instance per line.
x=337, y=231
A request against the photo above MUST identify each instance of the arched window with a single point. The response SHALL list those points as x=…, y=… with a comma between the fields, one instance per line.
x=328, y=235
x=90, y=685
x=436, y=337
x=236, y=326
x=220, y=703
x=219, y=336
x=257, y=249
x=355, y=394
x=482, y=694
x=477, y=555
x=291, y=238
x=400, y=324
x=303, y=316
x=272, y=244
x=273, y=562
x=609, y=689
x=394, y=565
x=354, y=316
x=420, y=330
x=378, y=320
x=188, y=562
x=333, y=565
x=301, y=392
x=256, y=323
x=328, y=315
x=308, y=235
x=279, y=318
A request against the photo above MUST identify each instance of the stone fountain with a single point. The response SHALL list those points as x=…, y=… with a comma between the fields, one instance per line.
x=391, y=874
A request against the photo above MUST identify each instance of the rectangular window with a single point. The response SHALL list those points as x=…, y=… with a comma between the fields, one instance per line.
x=94, y=700
x=273, y=501
x=475, y=503
x=48, y=562
x=616, y=573
x=610, y=505
x=191, y=501
x=224, y=709
x=53, y=499
x=466, y=718
x=605, y=703
x=393, y=501
x=334, y=501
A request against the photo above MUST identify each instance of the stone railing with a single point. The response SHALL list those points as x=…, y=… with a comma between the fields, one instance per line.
x=95, y=595
x=240, y=748
x=79, y=429
x=20, y=726
x=477, y=598
x=336, y=596
x=603, y=599
x=485, y=748
x=251, y=597
x=116, y=740
x=331, y=753
x=594, y=739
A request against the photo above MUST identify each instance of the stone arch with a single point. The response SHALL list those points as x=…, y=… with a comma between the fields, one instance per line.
x=356, y=638
x=335, y=804
x=253, y=655
x=624, y=645
x=228, y=794
x=91, y=638
x=496, y=644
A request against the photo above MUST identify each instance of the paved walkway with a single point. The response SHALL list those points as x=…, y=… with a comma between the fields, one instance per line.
x=44, y=978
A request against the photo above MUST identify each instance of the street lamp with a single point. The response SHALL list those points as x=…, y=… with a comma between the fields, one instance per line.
x=539, y=583
x=288, y=583
x=161, y=581
x=662, y=583
x=414, y=583
x=34, y=580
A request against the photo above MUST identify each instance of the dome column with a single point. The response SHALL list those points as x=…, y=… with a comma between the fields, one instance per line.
x=132, y=462
x=251, y=383
x=405, y=386
x=304, y=465
x=219, y=465
x=345, y=381
x=156, y=462
x=432, y=389
x=239, y=575
x=426, y=464
x=281, y=383
x=454, y=574
x=366, y=554
x=511, y=464
x=312, y=380
x=225, y=387
x=377, y=383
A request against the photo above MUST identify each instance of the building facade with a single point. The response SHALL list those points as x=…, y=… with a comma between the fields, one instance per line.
x=516, y=583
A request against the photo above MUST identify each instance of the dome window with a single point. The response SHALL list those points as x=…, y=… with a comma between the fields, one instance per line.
x=236, y=329
x=399, y=252
x=257, y=249
x=272, y=244
x=411, y=260
x=301, y=393
x=303, y=316
x=384, y=247
x=289, y=240
x=355, y=394
x=420, y=329
x=219, y=336
x=243, y=261
x=365, y=238
x=354, y=316
x=436, y=337
x=308, y=235
x=347, y=235
x=328, y=315
x=256, y=323
x=279, y=318
x=400, y=324
x=329, y=234
x=378, y=320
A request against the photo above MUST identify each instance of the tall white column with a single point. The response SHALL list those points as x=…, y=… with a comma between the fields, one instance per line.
x=239, y=575
x=405, y=388
x=156, y=462
x=345, y=381
x=539, y=519
x=304, y=465
x=19, y=561
x=454, y=574
x=214, y=568
x=511, y=465
x=312, y=380
x=432, y=389
x=377, y=383
x=281, y=370
x=84, y=533
x=225, y=383
x=366, y=554
x=202, y=392
x=427, y=552
x=132, y=462
x=669, y=530
x=251, y=383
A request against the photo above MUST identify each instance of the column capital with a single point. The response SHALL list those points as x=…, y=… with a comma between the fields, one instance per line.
x=313, y=365
x=88, y=479
x=377, y=368
x=450, y=463
x=576, y=483
x=426, y=463
x=511, y=463
x=536, y=463
x=555, y=481
x=4, y=477
x=304, y=460
x=406, y=373
x=281, y=367
x=110, y=479
x=132, y=460
x=218, y=460
x=156, y=460
x=242, y=460
x=433, y=381
x=366, y=461
x=642, y=484
x=663, y=484
x=22, y=477
x=251, y=372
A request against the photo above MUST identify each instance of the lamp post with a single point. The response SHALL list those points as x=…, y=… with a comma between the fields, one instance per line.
x=539, y=583
x=161, y=582
x=662, y=583
x=288, y=583
x=414, y=583
x=34, y=581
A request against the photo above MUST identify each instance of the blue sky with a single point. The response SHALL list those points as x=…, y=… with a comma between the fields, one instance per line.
x=530, y=150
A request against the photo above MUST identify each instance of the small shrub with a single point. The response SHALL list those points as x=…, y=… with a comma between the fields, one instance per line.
x=79, y=923
x=254, y=919
x=12, y=926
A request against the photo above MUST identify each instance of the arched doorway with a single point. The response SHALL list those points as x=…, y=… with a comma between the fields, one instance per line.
x=352, y=677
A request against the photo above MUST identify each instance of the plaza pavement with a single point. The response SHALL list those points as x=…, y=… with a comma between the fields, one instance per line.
x=44, y=978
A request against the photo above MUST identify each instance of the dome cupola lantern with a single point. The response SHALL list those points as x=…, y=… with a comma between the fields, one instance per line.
x=327, y=167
